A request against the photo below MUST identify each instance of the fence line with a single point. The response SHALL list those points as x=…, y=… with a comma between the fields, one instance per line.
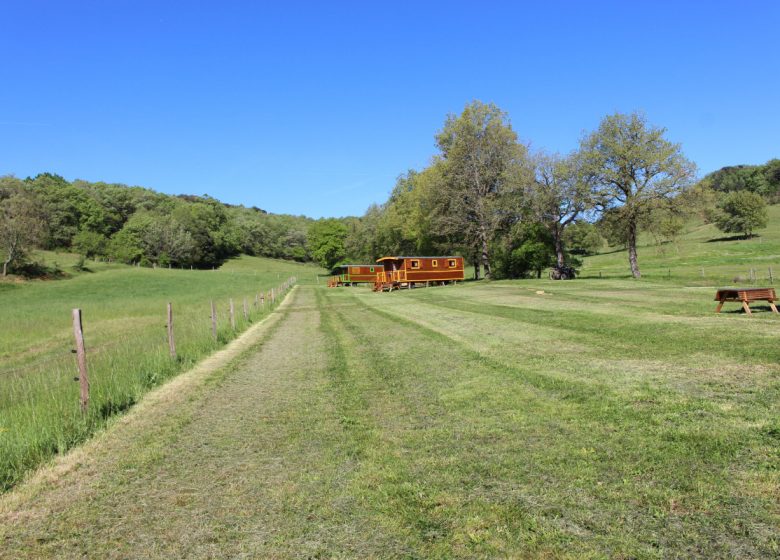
x=81, y=348
x=81, y=352
x=752, y=275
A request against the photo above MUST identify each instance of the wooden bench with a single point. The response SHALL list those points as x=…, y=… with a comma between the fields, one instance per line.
x=744, y=296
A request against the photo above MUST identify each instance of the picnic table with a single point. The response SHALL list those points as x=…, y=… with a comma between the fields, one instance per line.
x=745, y=296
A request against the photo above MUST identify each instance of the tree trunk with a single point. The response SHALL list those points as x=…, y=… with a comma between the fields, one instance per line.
x=484, y=248
x=476, y=267
x=632, y=248
x=559, y=249
x=10, y=257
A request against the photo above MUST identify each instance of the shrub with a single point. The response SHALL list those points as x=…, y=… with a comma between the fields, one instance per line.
x=741, y=212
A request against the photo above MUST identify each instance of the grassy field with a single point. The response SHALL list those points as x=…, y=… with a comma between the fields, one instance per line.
x=701, y=256
x=599, y=419
x=124, y=325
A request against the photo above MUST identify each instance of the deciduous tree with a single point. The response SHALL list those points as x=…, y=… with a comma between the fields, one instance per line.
x=559, y=195
x=740, y=212
x=482, y=163
x=21, y=226
x=326, y=241
x=633, y=165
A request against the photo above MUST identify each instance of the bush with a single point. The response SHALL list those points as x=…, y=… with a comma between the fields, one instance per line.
x=741, y=212
x=81, y=264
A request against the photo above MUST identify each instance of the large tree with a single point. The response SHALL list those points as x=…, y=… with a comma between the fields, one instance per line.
x=326, y=240
x=21, y=226
x=741, y=212
x=482, y=164
x=633, y=167
x=559, y=195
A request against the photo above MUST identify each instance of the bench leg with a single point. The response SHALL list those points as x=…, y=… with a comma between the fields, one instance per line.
x=746, y=307
x=720, y=306
x=772, y=305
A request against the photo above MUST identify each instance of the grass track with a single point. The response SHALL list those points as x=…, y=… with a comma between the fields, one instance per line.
x=478, y=421
x=124, y=325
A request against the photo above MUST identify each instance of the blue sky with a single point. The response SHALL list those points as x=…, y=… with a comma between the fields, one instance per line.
x=316, y=107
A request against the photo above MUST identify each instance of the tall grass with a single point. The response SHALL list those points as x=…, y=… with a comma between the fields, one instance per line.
x=124, y=327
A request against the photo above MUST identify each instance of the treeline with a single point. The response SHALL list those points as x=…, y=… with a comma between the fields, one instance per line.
x=759, y=179
x=485, y=195
x=137, y=225
x=514, y=213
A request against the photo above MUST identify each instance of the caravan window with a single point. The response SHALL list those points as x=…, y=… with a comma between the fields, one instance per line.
x=415, y=263
x=452, y=263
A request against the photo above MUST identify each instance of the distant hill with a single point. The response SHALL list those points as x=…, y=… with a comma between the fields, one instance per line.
x=136, y=225
x=761, y=179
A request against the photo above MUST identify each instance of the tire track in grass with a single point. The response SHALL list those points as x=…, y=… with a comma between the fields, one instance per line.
x=703, y=383
x=364, y=445
x=759, y=393
x=675, y=453
x=462, y=513
x=602, y=402
x=621, y=335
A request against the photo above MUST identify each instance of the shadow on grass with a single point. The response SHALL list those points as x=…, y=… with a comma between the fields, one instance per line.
x=40, y=271
x=111, y=408
x=612, y=252
x=753, y=308
x=731, y=238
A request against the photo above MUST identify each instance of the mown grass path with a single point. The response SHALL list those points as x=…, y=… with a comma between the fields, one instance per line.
x=471, y=422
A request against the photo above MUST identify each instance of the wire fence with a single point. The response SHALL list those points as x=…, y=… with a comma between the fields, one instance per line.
x=755, y=275
x=222, y=319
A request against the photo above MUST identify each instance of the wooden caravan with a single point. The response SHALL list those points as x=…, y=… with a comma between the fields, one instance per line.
x=406, y=272
x=350, y=274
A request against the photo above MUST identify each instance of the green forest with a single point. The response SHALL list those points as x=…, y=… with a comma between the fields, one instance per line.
x=512, y=212
x=136, y=225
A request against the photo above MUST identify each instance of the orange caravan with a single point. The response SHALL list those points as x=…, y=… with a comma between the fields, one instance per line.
x=405, y=272
x=350, y=274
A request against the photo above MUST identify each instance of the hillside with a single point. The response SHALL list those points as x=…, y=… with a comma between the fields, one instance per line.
x=136, y=225
x=701, y=256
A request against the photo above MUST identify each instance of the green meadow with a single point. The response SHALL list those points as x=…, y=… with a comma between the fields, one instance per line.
x=530, y=419
x=596, y=418
x=124, y=320
x=701, y=256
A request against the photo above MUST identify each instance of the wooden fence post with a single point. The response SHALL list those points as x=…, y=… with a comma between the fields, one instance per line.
x=246, y=311
x=171, y=342
x=81, y=355
x=213, y=320
x=232, y=315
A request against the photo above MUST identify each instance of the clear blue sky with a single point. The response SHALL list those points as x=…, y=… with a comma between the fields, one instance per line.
x=315, y=108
